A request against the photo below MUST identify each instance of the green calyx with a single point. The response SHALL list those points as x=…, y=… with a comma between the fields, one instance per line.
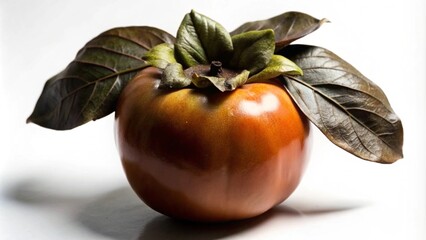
x=205, y=55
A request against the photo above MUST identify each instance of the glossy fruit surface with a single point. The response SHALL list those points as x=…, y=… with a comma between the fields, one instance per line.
x=204, y=155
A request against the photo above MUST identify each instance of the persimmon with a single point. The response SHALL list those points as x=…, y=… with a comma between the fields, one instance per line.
x=214, y=125
x=201, y=154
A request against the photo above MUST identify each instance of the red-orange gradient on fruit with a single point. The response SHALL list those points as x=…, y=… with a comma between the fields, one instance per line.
x=204, y=155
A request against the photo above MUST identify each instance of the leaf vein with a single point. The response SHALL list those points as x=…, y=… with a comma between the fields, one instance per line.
x=331, y=100
x=94, y=64
x=74, y=91
x=127, y=39
x=112, y=51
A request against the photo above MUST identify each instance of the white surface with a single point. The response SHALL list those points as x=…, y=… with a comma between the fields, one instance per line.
x=70, y=185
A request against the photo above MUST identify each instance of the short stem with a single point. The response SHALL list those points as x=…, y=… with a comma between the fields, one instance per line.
x=215, y=68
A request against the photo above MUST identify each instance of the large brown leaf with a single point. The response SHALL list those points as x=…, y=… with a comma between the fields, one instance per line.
x=288, y=27
x=348, y=108
x=89, y=86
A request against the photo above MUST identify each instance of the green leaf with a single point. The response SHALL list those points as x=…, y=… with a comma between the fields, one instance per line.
x=348, y=108
x=288, y=27
x=221, y=83
x=252, y=50
x=201, y=40
x=278, y=65
x=90, y=85
x=173, y=77
x=237, y=81
x=161, y=55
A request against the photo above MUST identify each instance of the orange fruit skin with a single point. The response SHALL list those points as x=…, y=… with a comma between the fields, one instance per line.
x=204, y=155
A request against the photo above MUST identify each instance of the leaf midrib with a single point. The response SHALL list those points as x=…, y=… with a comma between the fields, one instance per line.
x=344, y=110
x=73, y=92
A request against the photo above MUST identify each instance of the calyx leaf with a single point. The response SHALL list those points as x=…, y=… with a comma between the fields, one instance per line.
x=348, y=108
x=200, y=40
x=161, y=55
x=252, y=50
x=278, y=65
x=174, y=77
x=288, y=27
x=89, y=86
x=222, y=83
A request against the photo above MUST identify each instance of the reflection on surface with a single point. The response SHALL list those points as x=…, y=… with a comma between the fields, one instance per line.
x=38, y=192
x=163, y=227
x=120, y=214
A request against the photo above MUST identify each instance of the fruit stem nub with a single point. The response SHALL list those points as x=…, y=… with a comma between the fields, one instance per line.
x=215, y=68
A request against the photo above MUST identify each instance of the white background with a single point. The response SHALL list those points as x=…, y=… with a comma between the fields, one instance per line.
x=70, y=185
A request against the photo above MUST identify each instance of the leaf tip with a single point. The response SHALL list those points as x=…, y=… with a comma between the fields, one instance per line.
x=193, y=12
x=33, y=118
x=28, y=121
x=324, y=20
